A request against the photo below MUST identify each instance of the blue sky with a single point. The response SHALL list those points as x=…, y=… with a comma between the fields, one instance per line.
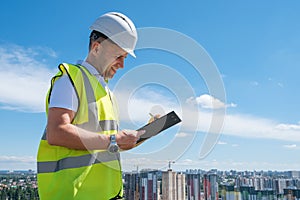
x=255, y=48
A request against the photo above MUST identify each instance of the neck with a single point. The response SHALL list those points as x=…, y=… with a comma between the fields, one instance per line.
x=91, y=61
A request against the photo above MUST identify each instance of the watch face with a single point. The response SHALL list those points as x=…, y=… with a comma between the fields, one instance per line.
x=113, y=148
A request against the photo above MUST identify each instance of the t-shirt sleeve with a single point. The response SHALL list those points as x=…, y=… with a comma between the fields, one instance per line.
x=63, y=94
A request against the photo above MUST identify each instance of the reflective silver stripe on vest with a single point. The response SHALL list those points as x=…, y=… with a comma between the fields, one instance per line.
x=108, y=125
x=104, y=125
x=92, y=124
x=76, y=162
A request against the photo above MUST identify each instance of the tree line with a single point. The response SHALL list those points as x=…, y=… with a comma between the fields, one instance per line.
x=18, y=187
x=19, y=193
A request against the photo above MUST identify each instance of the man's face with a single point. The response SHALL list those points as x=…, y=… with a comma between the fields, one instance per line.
x=110, y=59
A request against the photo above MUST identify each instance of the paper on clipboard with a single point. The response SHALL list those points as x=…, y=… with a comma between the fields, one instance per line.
x=158, y=126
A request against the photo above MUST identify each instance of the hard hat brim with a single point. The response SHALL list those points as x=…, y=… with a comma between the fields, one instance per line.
x=131, y=53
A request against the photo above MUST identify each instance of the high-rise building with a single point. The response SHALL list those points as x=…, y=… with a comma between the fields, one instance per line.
x=210, y=186
x=293, y=174
x=202, y=185
x=193, y=185
x=131, y=186
x=280, y=184
x=173, y=185
x=148, y=188
x=228, y=193
x=180, y=177
x=141, y=186
x=247, y=192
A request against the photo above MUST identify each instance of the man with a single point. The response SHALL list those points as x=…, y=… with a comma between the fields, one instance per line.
x=78, y=154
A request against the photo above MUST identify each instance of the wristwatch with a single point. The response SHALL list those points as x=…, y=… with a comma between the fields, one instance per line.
x=113, y=146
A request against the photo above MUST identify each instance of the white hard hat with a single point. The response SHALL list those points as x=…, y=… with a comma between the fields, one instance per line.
x=119, y=28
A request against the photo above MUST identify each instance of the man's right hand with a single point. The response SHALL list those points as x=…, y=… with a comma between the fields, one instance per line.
x=126, y=139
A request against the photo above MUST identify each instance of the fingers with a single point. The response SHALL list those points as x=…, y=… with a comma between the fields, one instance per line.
x=140, y=132
x=153, y=118
x=126, y=139
x=130, y=132
x=157, y=116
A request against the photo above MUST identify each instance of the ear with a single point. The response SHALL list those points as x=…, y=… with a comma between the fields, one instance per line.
x=95, y=47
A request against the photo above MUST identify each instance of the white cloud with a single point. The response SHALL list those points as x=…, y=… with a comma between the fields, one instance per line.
x=290, y=146
x=225, y=143
x=257, y=127
x=17, y=162
x=193, y=119
x=22, y=159
x=222, y=143
x=234, y=165
x=287, y=127
x=181, y=134
x=208, y=164
x=209, y=102
x=129, y=164
x=24, y=77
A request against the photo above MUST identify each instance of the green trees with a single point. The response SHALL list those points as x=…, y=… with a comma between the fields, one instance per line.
x=19, y=193
x=18, y=187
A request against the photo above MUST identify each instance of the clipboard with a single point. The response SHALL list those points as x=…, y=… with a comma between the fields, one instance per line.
x=158, y=126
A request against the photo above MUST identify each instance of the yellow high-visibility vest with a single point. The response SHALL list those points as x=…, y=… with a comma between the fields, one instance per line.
x=70, y=174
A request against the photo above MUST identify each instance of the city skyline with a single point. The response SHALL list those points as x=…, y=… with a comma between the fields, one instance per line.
x=191, y=184
x=249, y=49
x=198, y=184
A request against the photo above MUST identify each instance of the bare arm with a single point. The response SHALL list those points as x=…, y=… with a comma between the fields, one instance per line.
x=61, y=132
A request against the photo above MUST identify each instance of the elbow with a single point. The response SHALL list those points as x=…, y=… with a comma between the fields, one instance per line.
x=52, y=137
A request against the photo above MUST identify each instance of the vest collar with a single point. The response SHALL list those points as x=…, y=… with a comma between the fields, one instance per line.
x=93, y=71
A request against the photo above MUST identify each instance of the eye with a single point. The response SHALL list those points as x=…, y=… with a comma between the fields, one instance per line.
x=120, y=57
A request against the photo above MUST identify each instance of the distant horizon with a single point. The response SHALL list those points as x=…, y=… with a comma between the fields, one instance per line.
x=183, y=170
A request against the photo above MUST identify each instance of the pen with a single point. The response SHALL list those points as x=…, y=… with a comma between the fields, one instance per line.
x=154, y=117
